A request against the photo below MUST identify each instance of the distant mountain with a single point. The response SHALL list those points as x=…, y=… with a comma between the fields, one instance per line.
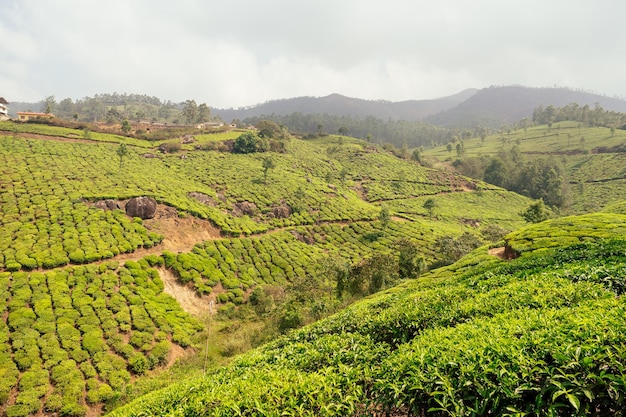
x=495, y=106
x=490, y=107
x=338, y=105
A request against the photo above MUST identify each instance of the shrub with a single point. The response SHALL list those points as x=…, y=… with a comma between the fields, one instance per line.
x=138, y=364
x=250, y=143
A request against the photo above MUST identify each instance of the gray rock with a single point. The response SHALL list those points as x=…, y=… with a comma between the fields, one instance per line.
x=142, y=207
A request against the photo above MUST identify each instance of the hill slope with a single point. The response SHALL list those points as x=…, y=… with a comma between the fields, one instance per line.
x=496, y=106
x=86, y=288
x=592, y=159
x=541, y=334
x=338, y=105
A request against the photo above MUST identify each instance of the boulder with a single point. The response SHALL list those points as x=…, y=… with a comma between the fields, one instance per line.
x=142, y=207
x=246, y=208
x=108, y=205
x=281, y=212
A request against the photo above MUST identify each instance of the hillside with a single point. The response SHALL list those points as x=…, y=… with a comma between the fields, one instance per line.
x=99, y=304
x=338, y=105
x=497, y=106
x=542, y=334
x=592, y=160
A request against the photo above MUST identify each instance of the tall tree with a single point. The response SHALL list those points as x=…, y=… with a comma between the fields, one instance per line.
x=190, y=111
x=204, y=113
x=384, y=217
x=430, y=205
x=268, y=163
x=126, y=127
x=122, y=152
x=49, y=104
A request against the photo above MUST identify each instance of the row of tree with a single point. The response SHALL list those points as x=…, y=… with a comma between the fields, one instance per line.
x=586, y=115
x=115, y=108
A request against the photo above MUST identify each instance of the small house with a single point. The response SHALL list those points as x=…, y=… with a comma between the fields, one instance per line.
x=24, y=116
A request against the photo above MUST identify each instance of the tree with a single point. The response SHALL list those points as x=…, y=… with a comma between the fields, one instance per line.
x=417, y=156
x=122, y=151
x=496, y=173
x=190, y=111
x=66, y=108
x=250, y=143
x=298, y=196
x=460, y=149
x=410, y=264
x=452, y=249
x=336, y=271
x=430, y=205
x=126, y=127
x=369, y=276
x=268, y=163
x=271, y=130
x=384, y=217
x=343, y=130
x=49, y=104
x=535, y=213
x=204, y=113
x=449, y=147
x=290, y=317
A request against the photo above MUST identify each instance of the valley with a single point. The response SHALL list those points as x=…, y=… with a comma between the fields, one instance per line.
x=314, y=273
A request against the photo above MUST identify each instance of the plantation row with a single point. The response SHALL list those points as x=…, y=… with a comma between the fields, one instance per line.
x=567, y=231
x=478, y=207
x=280, y=257
x=46, y=180
x=75, y=336
x=60, y=232
x=540, y=335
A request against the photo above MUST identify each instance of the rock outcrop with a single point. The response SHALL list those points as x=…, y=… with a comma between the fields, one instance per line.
x=142, y=207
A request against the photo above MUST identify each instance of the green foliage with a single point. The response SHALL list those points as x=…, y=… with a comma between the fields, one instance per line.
x=430, y=205
x=536, y=213
x=451, y=249
x=64, y=332
x=410, y=262
x=122, y=151
x=250, y=143
x=538, y=335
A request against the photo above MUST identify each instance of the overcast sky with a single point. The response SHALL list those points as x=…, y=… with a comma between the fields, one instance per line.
x=243, y=52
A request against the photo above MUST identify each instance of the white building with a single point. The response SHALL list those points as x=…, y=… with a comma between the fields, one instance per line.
x=4, y=110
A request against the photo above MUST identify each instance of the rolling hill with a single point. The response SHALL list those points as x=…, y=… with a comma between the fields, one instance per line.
x=543, y=334
x=497, y=106
x=99, y=304
x=592, y=159
x=338, y=105
x=489, y=107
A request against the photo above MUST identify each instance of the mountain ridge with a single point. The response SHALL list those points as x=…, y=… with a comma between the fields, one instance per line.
x=340, y=105
x=492, y=106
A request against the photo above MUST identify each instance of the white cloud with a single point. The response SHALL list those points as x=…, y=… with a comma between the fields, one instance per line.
x=241, y=52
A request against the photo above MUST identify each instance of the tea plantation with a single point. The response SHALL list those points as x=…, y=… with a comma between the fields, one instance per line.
x=80, y=327
x=543, y=334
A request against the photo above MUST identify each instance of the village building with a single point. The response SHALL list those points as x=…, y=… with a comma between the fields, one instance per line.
x=4, y=109
x=24, y=116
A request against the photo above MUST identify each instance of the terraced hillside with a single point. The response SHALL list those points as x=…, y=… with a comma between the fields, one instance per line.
x=84, y=290
x=593, y=158
x=542, y=334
